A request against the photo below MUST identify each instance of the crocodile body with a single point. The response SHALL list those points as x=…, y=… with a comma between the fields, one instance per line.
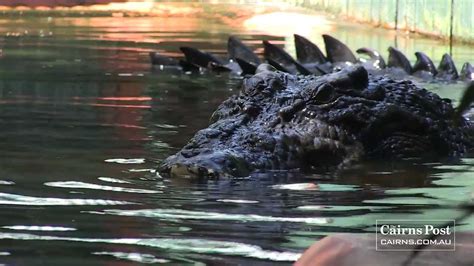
x=281, y=121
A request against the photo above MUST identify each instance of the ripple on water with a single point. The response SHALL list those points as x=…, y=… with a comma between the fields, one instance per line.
x=166, y=126
x=76, y=184
x=136, y=257
x=297, y=186
x=174, y=214
x=238, y=201
x=313, y=186
x=312, y=207
x=202, y=246
x=339, y=208
x=38, y=228
x=15, y=199
x=112, y=180
x=126, y=161
x=141, y=170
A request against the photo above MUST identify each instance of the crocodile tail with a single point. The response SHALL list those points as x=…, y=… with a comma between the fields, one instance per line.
x=158, y=59
x=247, y=67
x=237, y=49
x=424, y=63
x=466, y=99
x=276, y=53
x=189, y=67
x=375, y=56
x=467, y=71
x=308, y=52
x=337, y=51
x=279, y=58
x=277, y=65
x=197, y=57
x=397, y=59
x=447, y=68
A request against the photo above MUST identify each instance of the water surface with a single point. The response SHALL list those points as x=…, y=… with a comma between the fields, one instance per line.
x=85, y=121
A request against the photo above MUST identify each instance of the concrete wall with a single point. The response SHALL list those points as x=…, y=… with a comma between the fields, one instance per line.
x=424, y=16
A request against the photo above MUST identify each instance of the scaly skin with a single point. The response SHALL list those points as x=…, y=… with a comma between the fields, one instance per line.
x=281, y=121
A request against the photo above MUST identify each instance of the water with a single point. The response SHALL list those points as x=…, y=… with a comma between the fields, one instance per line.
x=85, y=121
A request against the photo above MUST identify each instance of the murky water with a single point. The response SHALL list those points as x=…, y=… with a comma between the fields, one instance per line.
x=84, y=121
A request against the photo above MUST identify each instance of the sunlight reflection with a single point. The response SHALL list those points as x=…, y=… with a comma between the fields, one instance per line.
x=134, y=6
x=196, y=245
x=112, y=180
x=135, y=257
x=39, y=228
x=174, y=214
x=83, y=185
x=287, y=23
x=15, y=199
x=126, y=161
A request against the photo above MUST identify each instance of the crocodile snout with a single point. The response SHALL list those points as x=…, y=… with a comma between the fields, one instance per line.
x=211, y=165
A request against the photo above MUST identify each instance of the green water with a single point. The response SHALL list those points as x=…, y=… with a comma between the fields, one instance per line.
x=85, y=120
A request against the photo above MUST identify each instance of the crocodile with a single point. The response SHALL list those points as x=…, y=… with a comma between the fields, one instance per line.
x=282, y=121
x=311, y=60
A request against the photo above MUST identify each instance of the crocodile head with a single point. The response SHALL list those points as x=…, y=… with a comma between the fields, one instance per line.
x=281, y=121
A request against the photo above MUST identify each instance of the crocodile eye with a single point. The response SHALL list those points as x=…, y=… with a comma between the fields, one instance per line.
x=324, y=94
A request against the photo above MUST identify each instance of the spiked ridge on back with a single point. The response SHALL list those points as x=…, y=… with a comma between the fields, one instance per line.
x=311, y=61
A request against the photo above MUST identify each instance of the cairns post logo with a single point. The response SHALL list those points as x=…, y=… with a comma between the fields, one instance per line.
x=402, y=235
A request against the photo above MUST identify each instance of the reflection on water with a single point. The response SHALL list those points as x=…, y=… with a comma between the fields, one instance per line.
x=85, y=121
